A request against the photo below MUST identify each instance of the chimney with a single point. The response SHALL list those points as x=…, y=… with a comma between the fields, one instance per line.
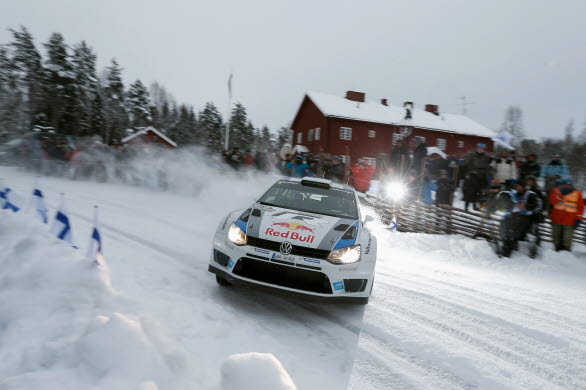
x=433, y=108
x=384, y=102
x=408, y=110
x=355, y=96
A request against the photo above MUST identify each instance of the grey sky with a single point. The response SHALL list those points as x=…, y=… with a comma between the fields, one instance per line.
x=499, y=52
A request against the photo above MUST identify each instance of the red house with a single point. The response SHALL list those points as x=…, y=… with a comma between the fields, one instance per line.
x=149, y=135
x=353, y=128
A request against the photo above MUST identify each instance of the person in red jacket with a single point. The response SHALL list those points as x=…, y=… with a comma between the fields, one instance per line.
x=566, y=209
x=362, y=173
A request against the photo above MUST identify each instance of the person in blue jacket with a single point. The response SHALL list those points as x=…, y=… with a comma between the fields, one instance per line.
x=300, y=168
x=553, y=171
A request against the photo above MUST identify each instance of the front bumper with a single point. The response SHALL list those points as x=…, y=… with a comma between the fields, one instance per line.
x=296, y=274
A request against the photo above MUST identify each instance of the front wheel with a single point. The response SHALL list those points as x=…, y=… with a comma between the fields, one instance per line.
x=222, y=282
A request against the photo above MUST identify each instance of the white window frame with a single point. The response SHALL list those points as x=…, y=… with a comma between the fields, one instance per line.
x=370, y=161
x=317, y=134
x=396, y=138
x=371, y=133
x=461, y=144
x=441, y=143
x=299, y=138
x=310, y=135
x=345, y=159
x=346, y=133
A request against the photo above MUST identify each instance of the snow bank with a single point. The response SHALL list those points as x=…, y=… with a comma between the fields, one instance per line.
x=62, y=325
x=258, y=371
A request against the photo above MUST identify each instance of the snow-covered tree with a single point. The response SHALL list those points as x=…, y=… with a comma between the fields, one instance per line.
x=241, y=130
x=283, y=137
x=114, y=105
x=86, y=90
x=12, y=105
x=29, y=78
x=211, y=128
x=513, y=123
x=139, y=105
x=59, y=86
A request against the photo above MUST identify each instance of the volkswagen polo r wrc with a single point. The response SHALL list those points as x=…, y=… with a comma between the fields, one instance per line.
x=302, y=236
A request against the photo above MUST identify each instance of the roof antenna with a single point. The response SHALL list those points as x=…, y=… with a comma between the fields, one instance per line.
x=464, y=103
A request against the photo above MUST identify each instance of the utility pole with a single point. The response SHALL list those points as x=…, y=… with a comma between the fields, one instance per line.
x=464, y=103
x=227, y=135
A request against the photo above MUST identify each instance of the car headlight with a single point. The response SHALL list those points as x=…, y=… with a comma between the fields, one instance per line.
x=396, y=190
x=347, y=255
x=236, y=235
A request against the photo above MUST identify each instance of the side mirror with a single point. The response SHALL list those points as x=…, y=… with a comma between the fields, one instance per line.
x=368, y=218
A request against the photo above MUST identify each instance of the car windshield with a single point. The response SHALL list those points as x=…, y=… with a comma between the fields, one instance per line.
x=335, y=202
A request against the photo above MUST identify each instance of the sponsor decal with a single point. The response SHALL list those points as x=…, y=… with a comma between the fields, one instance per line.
x=230, y=263
x=225, y=222
x=293, y=226
x=367, y=249
x=300, y=218
x=315, y=261
x=339, y=286
x=264, y=208
x=290, y=235
x=287, y=258
x=266, y=252
x=347, y=269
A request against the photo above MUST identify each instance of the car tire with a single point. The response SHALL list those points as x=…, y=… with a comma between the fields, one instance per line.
x=222, y=282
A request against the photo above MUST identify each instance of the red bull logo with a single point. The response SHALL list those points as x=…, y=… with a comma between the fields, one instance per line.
x=293, y=226
x=292, y=231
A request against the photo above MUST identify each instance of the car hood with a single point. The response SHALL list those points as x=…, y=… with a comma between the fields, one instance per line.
x=300, y=228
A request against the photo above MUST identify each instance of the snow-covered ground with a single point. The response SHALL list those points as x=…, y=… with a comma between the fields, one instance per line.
x=446, y=313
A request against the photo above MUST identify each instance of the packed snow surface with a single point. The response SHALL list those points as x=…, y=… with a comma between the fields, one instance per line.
x=446, y=313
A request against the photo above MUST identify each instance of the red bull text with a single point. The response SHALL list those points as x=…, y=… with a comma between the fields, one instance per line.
x=291, y=235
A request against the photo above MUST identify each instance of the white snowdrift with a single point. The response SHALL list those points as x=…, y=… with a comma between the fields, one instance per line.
x=62, y=326
x=258, y=371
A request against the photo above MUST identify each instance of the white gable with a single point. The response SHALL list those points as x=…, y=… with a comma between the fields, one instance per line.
x=145, y=130
x=340, y=107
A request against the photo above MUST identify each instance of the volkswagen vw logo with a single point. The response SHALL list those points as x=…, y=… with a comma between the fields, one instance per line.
x=286, y=248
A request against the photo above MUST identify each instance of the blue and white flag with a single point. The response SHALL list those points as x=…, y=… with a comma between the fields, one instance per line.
x=94, y=248
x=61, y=225
x=504, y=139
x=9, y=200
x=41, y=211
x=393, y=225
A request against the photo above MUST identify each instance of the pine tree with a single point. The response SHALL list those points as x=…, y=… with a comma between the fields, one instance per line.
x=114, y=105
x=59, y=86
x=86, y=90
x=182, y=132
x=211, y=128
x=283, y=137
x=29, y=78
x=569, y=134
x=98, y=124
x=12, y=105
x=139, y=105
x=513, y=123
x=241, y=130
x=265, y=140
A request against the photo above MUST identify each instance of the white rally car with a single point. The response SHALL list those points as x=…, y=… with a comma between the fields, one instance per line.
x=302, y=236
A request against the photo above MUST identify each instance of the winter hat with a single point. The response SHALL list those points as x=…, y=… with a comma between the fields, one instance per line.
x=495, y=183
x=481, y=145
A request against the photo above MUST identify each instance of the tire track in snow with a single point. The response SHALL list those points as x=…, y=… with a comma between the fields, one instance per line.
x=527, y=313
x=468, y=335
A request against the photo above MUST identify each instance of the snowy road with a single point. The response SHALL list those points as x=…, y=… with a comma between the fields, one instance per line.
x=445, y=312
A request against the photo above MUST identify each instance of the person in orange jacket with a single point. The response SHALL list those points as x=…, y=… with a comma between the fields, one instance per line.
x=566, y=209
x=362, y=173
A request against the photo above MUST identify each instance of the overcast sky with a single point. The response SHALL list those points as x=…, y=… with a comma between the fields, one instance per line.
x=496, y=53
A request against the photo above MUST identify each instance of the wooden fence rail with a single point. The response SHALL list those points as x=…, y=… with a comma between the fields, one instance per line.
x=418, y=217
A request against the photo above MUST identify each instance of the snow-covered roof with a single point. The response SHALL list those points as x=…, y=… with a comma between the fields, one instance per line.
x=145, y=130
x=340, y=107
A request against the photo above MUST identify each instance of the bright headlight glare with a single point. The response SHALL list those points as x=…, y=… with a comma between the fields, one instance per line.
x=347, y=255
x=396, y=190
x=236, y=235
